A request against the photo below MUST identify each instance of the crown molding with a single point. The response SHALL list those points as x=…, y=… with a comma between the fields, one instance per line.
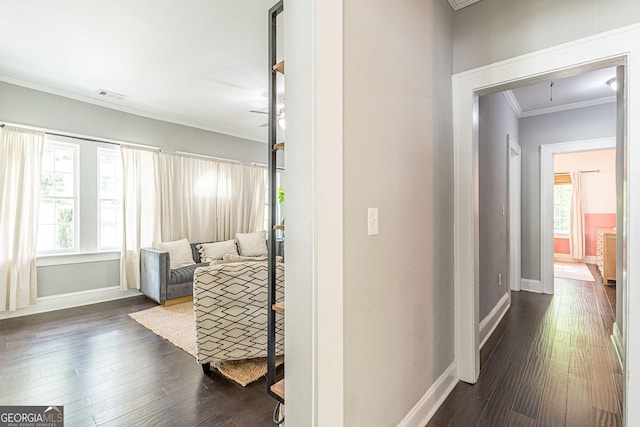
x=572, y=106
x=164, y=117
x=459, y=4
x=513, y=102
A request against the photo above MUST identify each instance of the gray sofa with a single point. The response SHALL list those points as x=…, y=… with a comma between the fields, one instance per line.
x=162, y=284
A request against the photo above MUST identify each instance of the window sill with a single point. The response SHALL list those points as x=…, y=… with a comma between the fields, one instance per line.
x=557, y=235
x=46, y=260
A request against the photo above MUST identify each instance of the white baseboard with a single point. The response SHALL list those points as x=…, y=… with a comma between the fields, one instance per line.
x=530, y=285
x=490, y=323
x=428, y=404
x=562, y=257
x=590, y=259
x=74, y=299
x=616, y=339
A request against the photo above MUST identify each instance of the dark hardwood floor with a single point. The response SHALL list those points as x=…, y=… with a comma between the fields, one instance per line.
x=554, y=365
x=106, y=369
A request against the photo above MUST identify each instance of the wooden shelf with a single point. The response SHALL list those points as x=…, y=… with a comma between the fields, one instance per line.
x=278, y=227
x=278, y=388
x=279, y=67
x=279, y=307
x=278, y=146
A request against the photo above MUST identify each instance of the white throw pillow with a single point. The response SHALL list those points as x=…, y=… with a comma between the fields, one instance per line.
x=212, y=251
x=180, y=254
x=252, y=244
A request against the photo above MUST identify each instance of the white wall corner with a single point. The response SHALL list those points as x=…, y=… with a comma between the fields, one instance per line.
x=531, y=285
x=513, y=103
x=428, y=404
x=490, y=323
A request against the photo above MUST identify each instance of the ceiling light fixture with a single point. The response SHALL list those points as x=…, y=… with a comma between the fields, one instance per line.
x=613, y=84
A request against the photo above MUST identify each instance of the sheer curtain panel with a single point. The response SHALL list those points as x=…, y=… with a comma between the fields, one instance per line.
x=20, y=158
x=170, y=196
x=576, y=233
x=141, y=206
x=207, y=199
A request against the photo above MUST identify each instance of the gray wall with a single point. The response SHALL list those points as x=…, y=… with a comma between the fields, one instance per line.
x=493, y=30
x=398, y=286
x=31, y=107
x=497, y=120
x=567, y=126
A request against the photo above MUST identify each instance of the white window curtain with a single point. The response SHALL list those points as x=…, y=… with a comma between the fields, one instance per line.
x=197, y=198
x=241, y=193
x=141, y=224
x=576, y=234
x=20, y=164
x=207, y=199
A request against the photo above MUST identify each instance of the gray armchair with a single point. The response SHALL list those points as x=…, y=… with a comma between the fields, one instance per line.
x=160, y=283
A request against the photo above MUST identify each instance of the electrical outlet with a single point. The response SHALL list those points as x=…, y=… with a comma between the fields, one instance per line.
x=499, y=279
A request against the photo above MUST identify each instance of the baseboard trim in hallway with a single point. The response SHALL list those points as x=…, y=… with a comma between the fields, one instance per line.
x=530, y=285
x=422, y=412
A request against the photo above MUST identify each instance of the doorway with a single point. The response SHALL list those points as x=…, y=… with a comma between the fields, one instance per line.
x=515, y=216
x=547, y=153
x=595, y=52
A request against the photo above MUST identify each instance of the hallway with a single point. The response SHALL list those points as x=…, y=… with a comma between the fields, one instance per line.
x=554, y=365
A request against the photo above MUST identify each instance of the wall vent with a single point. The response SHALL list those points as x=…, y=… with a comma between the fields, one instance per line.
x=110, y=94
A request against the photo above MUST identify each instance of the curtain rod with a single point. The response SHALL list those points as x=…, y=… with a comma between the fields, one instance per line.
x=54, y=132
x=567, y=173
x=115, y=142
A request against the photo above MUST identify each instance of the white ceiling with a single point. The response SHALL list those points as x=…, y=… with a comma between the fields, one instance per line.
x=201, y=63
x=577, y=91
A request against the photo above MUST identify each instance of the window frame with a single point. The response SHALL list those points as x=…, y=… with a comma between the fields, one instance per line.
x=52, y=143
x=115, y=153
x=556, y=232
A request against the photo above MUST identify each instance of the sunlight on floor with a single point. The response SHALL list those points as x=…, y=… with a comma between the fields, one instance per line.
x=572, y=270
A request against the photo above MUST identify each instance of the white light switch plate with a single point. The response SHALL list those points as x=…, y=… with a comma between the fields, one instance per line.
x=372, y=221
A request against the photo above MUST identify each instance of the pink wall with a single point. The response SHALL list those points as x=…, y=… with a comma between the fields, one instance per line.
x=560, y=246
x=591, y=223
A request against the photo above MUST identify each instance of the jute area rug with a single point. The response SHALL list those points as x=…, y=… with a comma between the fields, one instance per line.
x=177, y=325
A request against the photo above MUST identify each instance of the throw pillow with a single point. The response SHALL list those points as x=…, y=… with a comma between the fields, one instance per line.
x=179, y=253
x=252, y=244
x=212, y=251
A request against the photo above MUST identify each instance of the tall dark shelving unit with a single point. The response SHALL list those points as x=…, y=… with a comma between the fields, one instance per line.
x=275, y=387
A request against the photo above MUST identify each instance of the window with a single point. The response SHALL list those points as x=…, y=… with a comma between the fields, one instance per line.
x=109, y=199
x=561, y=207
x=57, y=223
x=80, y=197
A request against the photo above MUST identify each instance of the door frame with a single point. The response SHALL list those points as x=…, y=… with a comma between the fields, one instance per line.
x=547, y=151
x=609, y=48
x=514, y=224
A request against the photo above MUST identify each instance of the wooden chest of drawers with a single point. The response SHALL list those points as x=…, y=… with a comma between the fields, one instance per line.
x=606, y=253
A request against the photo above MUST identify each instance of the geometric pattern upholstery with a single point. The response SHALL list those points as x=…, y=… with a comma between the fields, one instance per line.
x=230, y=303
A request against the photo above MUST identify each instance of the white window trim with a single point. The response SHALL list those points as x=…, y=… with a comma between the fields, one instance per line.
x=45, y=260
x=76, y=189
x=115, y=153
